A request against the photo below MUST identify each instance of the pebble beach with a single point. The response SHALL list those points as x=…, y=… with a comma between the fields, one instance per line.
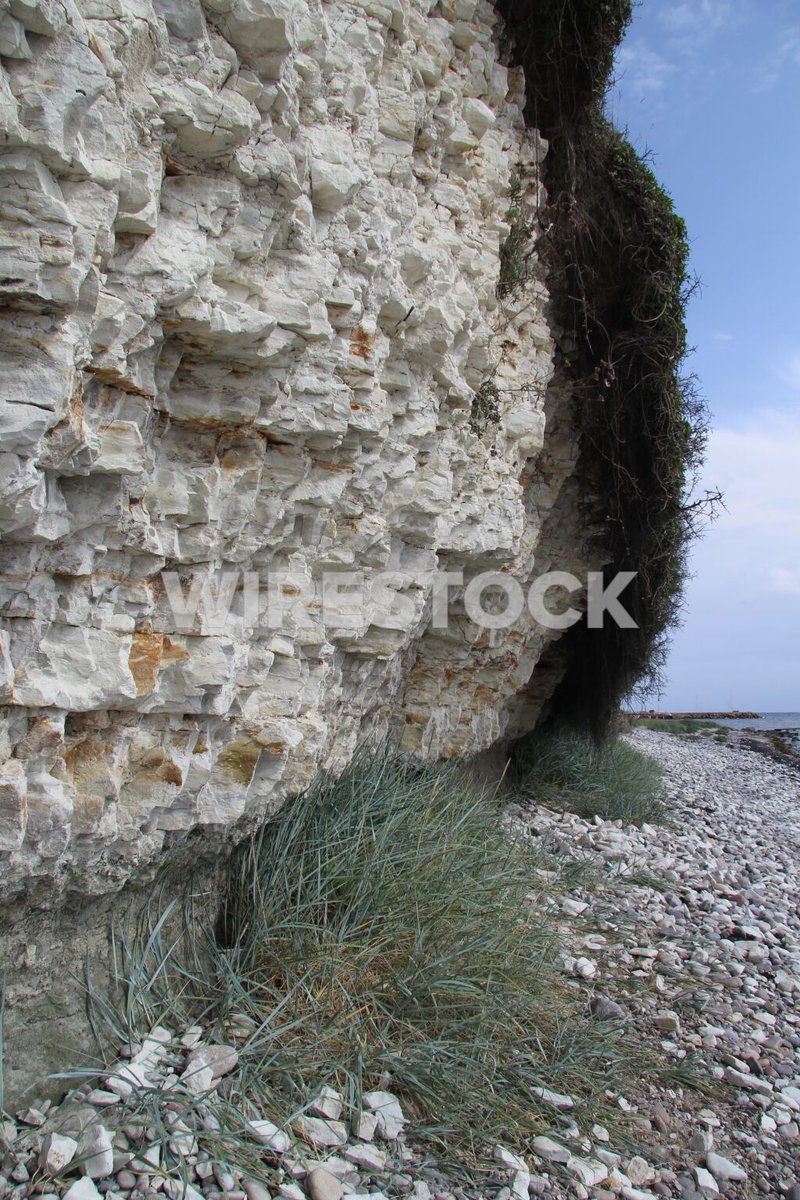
x=692, y=943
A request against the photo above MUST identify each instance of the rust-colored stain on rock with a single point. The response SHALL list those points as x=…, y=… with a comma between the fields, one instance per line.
x=361, y=342
x=239, y=759
x=148, y=653
x=144, y=660
x=157, y=767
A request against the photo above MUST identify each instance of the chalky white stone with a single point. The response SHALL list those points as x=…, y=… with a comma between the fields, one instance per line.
x=709, y=847
x=250, y=257
x=57, y=1152
x=550, y=1150
x=507, y=1158
x=706, y=1183
x=269, y=1135
x=322, y=1185
x=589, y=1171
x=367, y=1158
x=220, y=1060
x=553, y=1099
x=96, y=1150
x=320, y=1134
x=83, y=1189
x=327, y=1103
x=723, y=1170
x=639, y=1171
x=389, y=1112
x=364, y=1126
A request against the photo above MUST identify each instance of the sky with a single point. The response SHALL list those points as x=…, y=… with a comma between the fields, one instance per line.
x=711, y=89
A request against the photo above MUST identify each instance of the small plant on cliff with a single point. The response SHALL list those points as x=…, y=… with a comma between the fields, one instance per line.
x=485, y=409
x=515, y=251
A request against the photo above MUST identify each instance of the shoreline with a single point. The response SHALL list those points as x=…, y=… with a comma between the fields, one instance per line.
x=734, y=715
x=772, y=743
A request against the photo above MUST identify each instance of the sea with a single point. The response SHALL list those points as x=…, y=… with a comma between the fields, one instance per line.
x=768, y=720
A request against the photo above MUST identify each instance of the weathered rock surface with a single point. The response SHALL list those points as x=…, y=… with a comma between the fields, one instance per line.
x=250, y=261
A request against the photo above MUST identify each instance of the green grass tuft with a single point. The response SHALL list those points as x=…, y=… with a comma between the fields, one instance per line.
x=686, y=727
x=389, y=929
x=385, y=928
x=611, y=779
x=2, y=1044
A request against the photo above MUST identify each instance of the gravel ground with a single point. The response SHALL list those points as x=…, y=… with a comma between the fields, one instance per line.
x=691, y=939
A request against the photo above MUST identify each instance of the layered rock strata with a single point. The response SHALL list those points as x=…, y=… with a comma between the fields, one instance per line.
x=250, y=263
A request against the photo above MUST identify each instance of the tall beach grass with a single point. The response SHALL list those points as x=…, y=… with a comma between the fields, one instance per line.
x=388, y=929
x=609, y=779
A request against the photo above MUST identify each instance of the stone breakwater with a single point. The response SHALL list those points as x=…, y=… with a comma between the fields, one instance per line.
x=688, y=935
x=250, y=265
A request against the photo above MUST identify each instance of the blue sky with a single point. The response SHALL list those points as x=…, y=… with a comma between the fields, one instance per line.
x=712, y=89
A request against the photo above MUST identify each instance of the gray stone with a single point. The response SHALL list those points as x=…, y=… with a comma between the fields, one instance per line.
x=82, y=1189
x=96, y=1150
x=389, y=1112
x=323, y=1186
x=603, y=1008
x=550, y=1150
x=57, y=1153
x=269, y=1135
x=221, y=1060
x=723, y=1170
x=667, y=1022
x=752, y=1082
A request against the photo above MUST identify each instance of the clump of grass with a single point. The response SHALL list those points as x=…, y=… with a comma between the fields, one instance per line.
x=384, y=930
x=2, y=1043
x=686, y=727
x=609, y=779
x=388, y=929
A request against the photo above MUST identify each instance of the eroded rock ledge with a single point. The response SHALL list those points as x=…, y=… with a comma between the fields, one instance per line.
x=251, y=251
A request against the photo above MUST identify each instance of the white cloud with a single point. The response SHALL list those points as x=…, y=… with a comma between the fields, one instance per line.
x=640, y=71
x=738, y=647
x=690, y=23
x=785, y=581
x=643, y=72
x=786, y=54
x=757, y=467
x=721, y=336
x=788, y=373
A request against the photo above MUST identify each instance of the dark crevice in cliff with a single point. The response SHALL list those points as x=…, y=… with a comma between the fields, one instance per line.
x=616, y=256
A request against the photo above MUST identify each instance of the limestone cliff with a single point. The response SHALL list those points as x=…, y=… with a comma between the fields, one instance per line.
x=251, y=253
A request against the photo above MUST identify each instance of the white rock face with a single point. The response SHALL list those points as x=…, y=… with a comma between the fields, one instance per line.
x=250, y=252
